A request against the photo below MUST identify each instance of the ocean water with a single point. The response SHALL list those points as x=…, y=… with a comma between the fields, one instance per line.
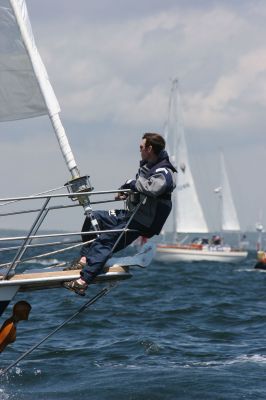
x=173, y=331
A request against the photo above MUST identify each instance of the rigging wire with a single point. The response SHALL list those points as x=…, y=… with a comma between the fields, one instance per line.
x=50, y=253
x=33, y=195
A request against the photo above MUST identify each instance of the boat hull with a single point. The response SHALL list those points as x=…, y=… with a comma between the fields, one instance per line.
x=176, y=253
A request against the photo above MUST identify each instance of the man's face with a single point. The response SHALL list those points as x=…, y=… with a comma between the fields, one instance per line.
x=145, y=151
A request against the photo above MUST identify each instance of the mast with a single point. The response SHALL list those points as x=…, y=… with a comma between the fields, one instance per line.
x=170, y=146
x=259, y=229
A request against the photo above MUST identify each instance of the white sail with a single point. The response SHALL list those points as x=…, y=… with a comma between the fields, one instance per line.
x=187, y=211
x=189, y=214
x=230, y=220
x=20, y=94
x=25, y=90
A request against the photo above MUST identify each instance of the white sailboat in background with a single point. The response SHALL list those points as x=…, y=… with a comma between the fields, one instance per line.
x=187, y=214
x=228, y=214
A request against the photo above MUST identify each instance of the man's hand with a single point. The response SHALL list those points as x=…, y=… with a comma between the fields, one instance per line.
x=121, y=196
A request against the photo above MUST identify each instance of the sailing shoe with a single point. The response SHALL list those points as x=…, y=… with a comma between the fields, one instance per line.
x=76, y=264
x=75, y=286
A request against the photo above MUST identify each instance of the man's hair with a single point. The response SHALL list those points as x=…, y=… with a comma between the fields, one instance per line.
x=155, y=140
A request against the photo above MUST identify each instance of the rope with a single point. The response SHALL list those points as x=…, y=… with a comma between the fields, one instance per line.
x=100, y=294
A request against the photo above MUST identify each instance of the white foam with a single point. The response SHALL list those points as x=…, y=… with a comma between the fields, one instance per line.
x=37, y=372
x=255, y=358
x=247, y=270
x=18, y=371
x=47, y=261
x=3, y=395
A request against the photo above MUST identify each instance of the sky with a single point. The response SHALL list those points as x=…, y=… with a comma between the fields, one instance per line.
x=111, y=64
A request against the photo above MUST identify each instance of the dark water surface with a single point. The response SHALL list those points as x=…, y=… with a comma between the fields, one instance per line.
x=173, y=331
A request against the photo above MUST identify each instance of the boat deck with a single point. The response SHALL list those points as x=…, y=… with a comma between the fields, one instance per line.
x=48, y=279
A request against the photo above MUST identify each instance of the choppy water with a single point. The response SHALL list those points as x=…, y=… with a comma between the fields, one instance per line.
x=174, y=331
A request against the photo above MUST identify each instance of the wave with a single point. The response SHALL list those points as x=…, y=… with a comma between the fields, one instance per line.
x=255, y=358
x=3, y=395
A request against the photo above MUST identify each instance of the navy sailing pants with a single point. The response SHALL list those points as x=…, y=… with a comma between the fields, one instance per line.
x=98, y=252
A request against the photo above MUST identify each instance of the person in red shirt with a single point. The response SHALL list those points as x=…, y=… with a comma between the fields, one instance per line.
x=8, y=331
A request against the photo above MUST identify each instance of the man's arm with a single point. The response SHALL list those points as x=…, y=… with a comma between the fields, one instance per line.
x=156, y=185
x=130, y=184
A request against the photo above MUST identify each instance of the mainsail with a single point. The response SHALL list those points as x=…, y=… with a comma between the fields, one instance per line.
x=25, y=90
x=229, y=215
x=187, y=210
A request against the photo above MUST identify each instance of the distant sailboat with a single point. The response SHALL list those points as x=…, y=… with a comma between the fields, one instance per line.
x=187, y=215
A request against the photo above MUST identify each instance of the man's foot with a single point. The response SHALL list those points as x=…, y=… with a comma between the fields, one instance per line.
x=77, y=286
x=76, y=264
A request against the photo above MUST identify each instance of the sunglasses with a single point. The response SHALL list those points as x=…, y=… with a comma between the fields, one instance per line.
x=143, y=147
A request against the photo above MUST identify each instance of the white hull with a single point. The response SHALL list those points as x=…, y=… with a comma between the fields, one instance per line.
x=212, y=253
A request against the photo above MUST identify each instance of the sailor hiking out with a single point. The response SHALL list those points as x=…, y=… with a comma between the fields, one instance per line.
x=151, y=189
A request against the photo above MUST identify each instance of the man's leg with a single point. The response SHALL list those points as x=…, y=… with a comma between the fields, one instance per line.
x=80, y=262
x=99, y=215
x=101, y=249
x=96, y=255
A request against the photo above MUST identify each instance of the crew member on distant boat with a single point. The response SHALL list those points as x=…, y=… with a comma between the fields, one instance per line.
x=216, y=240
x=154, y=184
x=8, y=331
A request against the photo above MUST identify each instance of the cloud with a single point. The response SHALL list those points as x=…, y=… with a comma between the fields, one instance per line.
x=119, y=71
x=231, y=101
x=111, y=68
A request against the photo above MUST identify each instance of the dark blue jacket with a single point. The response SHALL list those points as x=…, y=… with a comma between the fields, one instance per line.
x=156, y=182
